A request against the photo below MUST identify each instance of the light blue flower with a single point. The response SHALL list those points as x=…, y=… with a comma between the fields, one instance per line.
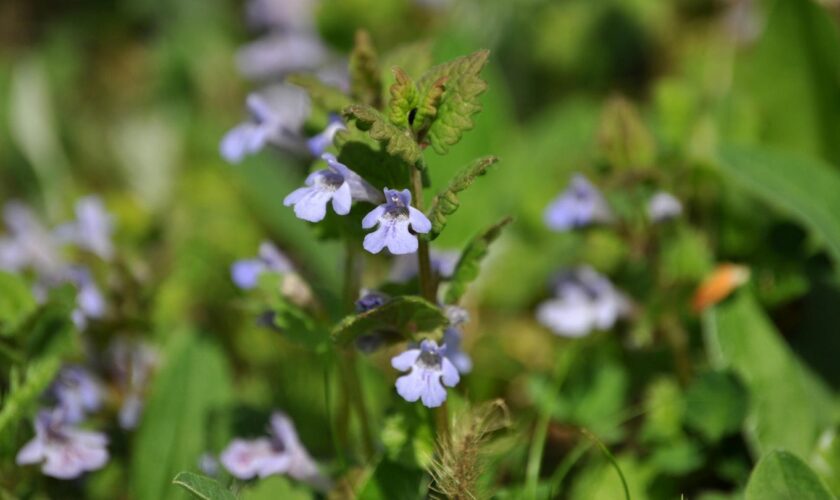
x=452, y=338
x=428, y=371
x=246, y=273
x=66, y=451
x=336, y=183
x=581, y=204
x=318, y=144
x=584, y=301
x=92, y=228
x=278, y=54
x=394, y=218
x=90, y=303
x=663, y=206
x=76, y=392
x=29, y=243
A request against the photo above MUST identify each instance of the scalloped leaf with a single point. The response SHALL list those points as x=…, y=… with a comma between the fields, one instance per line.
x=428, y=104
x=446, y=202
x=404, y=99
x=469, y=264
x=202, y=487
x=459, y=100
x=407, y=316
x=397, y=142
x=365, y=77
x=331, y=99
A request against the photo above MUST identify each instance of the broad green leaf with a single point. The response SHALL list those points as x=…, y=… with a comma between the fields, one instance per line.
x=446, y=202
x=16, y=302
x=788, y=406
x=470, y=262
x=459, y=100
x=365, y=78
x=715, y=405
x=174, y=432
x=331, y=99
x=391, y=480
x=406, y=316
x=781, y=475
x=402, y=106
x=202, y=487
x=22, y=397
x=397, y=142
x=804, y=188
x=624, y=138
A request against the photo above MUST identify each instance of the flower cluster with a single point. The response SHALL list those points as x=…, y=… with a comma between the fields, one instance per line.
x=581, y=204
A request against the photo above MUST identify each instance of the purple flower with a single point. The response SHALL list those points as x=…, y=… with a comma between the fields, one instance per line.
x=279, y=54
x=579, y=205
x=29, y=244
x=90, y=304
x=584, y=301
x=66, y=451
x=92, y=228
x=280, y=453
x=270, y=259
x=132, y=363
x=318, y=144
x=452, y=337
x=76, y=392
x=336, y=183
x=394, y=218
x=281, y=14
x=663, y=206
x=428, y=371
x=404, y=267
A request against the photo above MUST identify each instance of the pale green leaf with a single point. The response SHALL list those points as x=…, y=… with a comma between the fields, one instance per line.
x=16, y=302
x=781, y=475
x=202, y=487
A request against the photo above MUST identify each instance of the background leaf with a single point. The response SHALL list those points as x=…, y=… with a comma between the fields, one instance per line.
x=446, y=202
x=470, y=262
x=407, y=316
x=781, y=475
x=202, y=487
x=16, y=302
x=365, y=77
x=331, y=99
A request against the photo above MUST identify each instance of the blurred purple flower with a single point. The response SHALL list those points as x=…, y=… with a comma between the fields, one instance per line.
x=246, y=273
x=280, y=53
x=452, y=338
x=295, y=15
x=429, y=370
x=132, y=363
x=581, y=204
x=405, y=267
x=663, y=206
x=584, y=301
x=369, y=301
x=336, y=183
x=90, y=304
x=66, y=451
x=318, y=144
x=280, y=453
x=29, y=244
x=394, y=218
x=208, y=464
x=92, y=228
x=76, y=392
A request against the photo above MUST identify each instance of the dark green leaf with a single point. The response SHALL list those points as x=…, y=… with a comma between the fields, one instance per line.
x=407, y=316
x=470, y=262
x=446, y=202
x=397, y=142
x=174, y=432
x=459, y=100
x=16, y=302
x=788, y=405
x=802, y=187
x=202, y=487
x=365, y=77
x=716, y=404
x=331, y=99
x=781, y=475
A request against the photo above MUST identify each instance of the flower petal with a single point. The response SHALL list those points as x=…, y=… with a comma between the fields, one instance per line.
x=449, y=374
x=375, y=241
x=410, y=387
x=246, y=273
x=341, y=200
x=31, y=453
x=419, y=222
x=404, y=361
x=372, y=217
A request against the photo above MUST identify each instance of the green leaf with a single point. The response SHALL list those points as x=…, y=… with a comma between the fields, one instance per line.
x=788, y=405
x=276, y=488
x=194, y=382
x=16, y=302
x=623, y=137
x=716, y=404
x=459, y=100
x=781, y=475
x=446, y=202
x=23, y=397
x=202, y=487
x=470, y=262
x=397, y=142
x=428, y=104
x=406, y=316
x=295, y=323
x=365, y=77
x=826, y=459
x=802, y=187
x=404, y=99
x=331, y=99
x=369, y=158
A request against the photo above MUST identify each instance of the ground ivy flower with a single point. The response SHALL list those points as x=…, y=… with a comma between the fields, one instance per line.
x=92, y=228
x=663, y=206
x=581, y=204
x=29, y=244
x=90, y=303
x=246, y=273
x=584, y=301
x=76, y=392
x=280, y=453
x=336, y=183
x=66, y=451
x=394, y=218
x=428, y=371
x=278, y=54
x=318, y=144
x=452, y=338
